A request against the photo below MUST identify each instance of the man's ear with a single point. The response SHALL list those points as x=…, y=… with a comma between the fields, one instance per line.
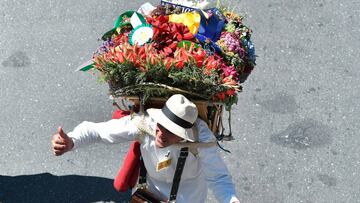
x=195, y=133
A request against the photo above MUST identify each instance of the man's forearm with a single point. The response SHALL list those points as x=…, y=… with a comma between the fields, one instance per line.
x=112, y=131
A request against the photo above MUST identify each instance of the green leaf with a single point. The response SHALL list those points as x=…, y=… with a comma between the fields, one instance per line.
x=86, y=68
x=187, y=44
x=108, y=34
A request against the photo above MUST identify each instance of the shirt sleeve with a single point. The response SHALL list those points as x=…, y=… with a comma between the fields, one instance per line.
x=113, y=131
x=216, y=173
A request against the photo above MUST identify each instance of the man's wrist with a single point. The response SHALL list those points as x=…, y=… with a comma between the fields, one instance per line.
x=72, y=143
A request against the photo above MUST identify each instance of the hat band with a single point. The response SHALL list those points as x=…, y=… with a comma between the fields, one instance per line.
x=174, y=118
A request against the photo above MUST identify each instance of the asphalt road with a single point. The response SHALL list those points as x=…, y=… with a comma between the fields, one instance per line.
x=296, y=124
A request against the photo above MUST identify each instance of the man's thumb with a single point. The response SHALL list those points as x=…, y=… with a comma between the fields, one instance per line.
x=61, y=132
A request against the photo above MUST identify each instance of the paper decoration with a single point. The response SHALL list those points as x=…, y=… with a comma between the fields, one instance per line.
x=86, y=66
x=146, y=8
x=122, y=20
x=141, y=35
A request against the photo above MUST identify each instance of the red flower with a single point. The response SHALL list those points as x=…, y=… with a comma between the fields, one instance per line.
x=167, y=34
x=199, y=57
x=167, y=51
x=180, y=64
x=121, y=39
x=230, y=92
x=211, y=64
x=221, y=96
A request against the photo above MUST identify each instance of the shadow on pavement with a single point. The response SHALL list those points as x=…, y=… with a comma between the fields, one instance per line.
x=46, y=187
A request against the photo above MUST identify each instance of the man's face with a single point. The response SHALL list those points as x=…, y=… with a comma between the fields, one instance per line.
x=165, y=138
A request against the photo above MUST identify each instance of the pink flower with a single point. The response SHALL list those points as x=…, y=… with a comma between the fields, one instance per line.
x=229, y=71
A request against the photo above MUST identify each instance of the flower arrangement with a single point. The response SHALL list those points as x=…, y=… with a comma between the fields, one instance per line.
x=176, y=47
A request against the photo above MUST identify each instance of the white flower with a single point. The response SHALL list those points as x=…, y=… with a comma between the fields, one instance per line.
x=199, y=4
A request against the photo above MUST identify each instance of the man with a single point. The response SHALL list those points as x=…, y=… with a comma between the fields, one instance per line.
x=162, y=133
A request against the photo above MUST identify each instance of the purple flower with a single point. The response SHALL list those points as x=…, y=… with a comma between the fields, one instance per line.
x=106, y=46
x=233, y=44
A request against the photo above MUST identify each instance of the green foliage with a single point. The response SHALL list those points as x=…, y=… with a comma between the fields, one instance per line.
x=155, y=73
x=192, y=79
x=154, y=80
x=233, y=59
x=229, y=101
x=230, y=27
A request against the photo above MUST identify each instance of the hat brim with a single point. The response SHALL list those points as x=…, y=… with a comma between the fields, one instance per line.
x=160, y=118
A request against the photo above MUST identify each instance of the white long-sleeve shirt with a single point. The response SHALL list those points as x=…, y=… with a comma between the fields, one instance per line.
x=206, y=169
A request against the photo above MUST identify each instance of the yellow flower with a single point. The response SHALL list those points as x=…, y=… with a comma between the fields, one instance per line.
x=190, y=20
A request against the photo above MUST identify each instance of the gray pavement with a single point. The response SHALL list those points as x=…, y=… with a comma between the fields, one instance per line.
x=296, y=123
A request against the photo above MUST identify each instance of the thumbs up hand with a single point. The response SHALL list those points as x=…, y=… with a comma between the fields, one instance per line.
x=61, y=142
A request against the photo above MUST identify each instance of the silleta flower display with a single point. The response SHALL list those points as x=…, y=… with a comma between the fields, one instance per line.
x=176, y=47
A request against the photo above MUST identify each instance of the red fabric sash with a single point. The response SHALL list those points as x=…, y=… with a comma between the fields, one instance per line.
x=129, y=171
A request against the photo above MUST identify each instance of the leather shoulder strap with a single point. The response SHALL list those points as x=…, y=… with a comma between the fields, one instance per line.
x=177, y=175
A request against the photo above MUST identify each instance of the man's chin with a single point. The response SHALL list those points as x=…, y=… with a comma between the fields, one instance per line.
x=160, y=145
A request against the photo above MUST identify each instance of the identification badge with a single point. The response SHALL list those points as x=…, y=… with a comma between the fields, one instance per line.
x=163, y=164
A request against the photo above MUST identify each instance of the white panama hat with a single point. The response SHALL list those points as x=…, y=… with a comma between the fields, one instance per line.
x=178, y=116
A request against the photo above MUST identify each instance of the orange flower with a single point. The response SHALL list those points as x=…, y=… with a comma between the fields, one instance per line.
x=181, y=56
x=131, y=57
x=142, y=53
x=211, y=64
x=152, y=58
x=119, y=57
x=229, y=81
x=168, y=62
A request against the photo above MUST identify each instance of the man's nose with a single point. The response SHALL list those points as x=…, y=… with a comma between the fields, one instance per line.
x=161, y=134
